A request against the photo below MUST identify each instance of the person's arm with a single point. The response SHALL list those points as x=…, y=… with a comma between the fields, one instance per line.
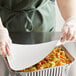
x=5, y=40
x=68, y=12
x=67, y=8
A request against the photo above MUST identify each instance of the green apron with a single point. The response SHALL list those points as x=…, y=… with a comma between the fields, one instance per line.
x=28, y=15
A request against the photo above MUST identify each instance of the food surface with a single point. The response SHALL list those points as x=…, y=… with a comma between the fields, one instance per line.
x=56, y=58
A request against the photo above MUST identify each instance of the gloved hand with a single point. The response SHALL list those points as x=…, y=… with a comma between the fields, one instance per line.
x=69, y=30
x=5, y=41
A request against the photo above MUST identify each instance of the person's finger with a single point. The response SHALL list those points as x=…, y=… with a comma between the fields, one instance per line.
x=0, y=51
x=1, y=43
x=7, y=49
x=8, y=44
x=3, y=51
x=63, y=37
x=64, y=32
x=2, y=48
x=73, y=38
x=73, y=35
x=68, y=35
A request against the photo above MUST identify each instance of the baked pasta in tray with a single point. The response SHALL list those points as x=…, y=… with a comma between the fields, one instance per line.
x=57, y=57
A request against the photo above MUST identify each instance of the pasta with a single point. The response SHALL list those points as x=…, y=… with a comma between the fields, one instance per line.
x=56, y=58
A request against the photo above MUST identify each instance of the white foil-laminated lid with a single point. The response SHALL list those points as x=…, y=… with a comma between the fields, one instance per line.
x=24, y=56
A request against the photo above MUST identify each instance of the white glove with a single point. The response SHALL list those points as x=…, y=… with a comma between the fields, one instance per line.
x=5, y=41
x=69, y=30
